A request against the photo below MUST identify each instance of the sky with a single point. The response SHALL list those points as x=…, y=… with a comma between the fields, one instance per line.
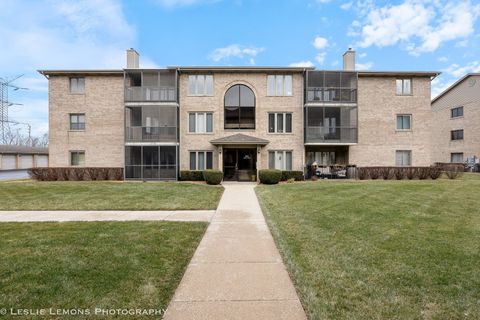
x=414, y=35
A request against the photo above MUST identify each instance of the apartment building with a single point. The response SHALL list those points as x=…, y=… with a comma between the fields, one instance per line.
x=456, y=114
x=157, y=122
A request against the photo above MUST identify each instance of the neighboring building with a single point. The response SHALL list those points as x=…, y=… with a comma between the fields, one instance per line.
x=456, y=114
x=156, y=122
x=22, y=158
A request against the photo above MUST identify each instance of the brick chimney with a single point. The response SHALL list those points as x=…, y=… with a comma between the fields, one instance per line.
x=132, y=59
x=349, y=60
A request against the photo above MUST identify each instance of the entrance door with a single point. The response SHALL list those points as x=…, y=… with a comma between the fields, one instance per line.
x=239, y=164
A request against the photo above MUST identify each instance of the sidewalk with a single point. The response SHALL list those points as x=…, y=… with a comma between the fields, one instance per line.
x=63, y=216
x=237, y=271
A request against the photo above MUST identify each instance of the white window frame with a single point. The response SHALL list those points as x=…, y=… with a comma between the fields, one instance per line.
x=403, y=115
x=74, y=83
x=196, y=159
x=72, y=152
x=195, y=80
x=283, y=165
x=275, y=131
x=280, y=85
x=409, y=158
x=403, y=91
x=196, y=116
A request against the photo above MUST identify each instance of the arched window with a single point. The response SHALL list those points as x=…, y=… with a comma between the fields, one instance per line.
x=239, y=108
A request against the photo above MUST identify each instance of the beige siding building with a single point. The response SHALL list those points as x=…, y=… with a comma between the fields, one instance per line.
x=156, y=123
x=456, y=115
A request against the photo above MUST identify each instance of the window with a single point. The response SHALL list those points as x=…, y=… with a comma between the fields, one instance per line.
x=200, y=122
x=404, y=86
x=403, y=158
x=404, y=121
x=456, y=157
x=279, y=122
x=201, y=160
x=200, y=85
x=77, y=158
x=77, y=121
x=457, y=112
x=281, y=160
x=456, y=134
x=239, y=107
x=322, y=158
x=279, y=85
x=77, y=85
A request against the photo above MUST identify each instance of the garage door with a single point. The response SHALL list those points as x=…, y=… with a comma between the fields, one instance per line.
x=26, y=161
x=42, y=161
x=9, y=162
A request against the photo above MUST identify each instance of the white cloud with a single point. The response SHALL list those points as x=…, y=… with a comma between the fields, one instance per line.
x=302, y=64
x=320, y=43
x=442, y=59
x=439, y=85
x=321, y=57
x=183, y=3
x=459, y=71
x=322, y=1
x=54, y=34
x=364, y=66
x=419, y=25
x=362, y=55
x=346, y=6
x=234, y=50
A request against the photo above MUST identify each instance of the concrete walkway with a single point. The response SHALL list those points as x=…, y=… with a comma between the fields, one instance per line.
x=34, y=216
x=236, y=272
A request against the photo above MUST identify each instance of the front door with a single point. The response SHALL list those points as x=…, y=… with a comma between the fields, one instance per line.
x=239, y=164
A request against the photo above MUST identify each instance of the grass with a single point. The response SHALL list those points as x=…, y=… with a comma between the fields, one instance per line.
x=380, y=249
x=33, y=195
x=94, y=264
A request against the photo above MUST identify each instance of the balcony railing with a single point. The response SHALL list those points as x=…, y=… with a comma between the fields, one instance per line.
x=331, y=134
x=157, y=134
x=316, y=94
x=165, y=172
x=140, y=94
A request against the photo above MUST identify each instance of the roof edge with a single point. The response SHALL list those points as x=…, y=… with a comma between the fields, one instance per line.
x=456, y=83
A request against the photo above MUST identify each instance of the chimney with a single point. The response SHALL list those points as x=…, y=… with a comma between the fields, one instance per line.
x=132, y=59
x=349, y=60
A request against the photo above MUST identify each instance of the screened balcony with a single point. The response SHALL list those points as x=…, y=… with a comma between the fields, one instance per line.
x=151, y=124
x=331, y=86
x=331, y=125
x=151, y=85
x=151, y=162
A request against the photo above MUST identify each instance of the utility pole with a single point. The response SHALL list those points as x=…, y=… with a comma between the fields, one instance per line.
x=5, y=85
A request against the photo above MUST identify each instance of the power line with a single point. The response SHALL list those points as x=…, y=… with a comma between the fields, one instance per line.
x=5, y=86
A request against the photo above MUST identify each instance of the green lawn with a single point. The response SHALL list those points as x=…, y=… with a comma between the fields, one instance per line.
x=86, y=265
x=380, y=249
x=97, y=195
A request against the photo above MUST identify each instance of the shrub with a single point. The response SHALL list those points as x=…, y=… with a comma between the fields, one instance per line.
x=435, y=172
x=374, y=173
x=400, y=173
x=75, y=174
x=191, y=175
x=269, y=176
x=454, y=173
x=363, y=173
x=213, y=176
x=291, y=174
x=423, y=173
x=411, y=173
x=387, y=173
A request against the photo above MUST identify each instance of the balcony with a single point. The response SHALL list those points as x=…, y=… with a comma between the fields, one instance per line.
x=330, y=125
x=151, y=134
x=331, y=87
x=331, y=134
x=151, y=124
x=150, y=86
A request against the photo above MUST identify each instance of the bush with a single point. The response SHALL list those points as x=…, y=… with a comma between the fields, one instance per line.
x=191, y=175
x=374, y=173
x=213, y=176
x=387, y=173
x=269, y=176
x=423, y=173
x=454, y=173
x=363, y=173
x=435, y=173
x=291, y=174
x=400, y=173
x=75, y=174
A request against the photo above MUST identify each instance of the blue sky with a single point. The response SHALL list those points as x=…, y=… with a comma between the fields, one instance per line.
x=423, y=35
